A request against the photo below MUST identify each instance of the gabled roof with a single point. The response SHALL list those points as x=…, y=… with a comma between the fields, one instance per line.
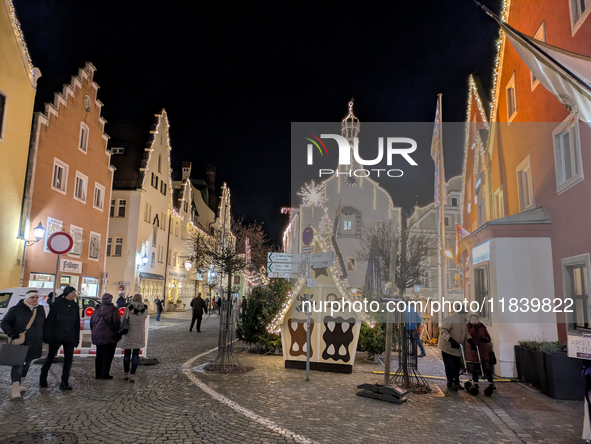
x=535, y=216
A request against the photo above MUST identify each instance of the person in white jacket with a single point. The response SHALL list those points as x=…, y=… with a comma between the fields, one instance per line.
x=135, y=338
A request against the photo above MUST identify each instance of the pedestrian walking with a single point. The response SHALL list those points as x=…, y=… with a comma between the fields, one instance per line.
x=412, y=324
x=199, y=306
x=219, y=305
x=62, y=329
x=452, y=333
x=135, y=338
x=159, y=306
x=419, y=340
x=121, y=302
x=479, y=351
x=104, y=327
x=243, y=305
x=24, y=322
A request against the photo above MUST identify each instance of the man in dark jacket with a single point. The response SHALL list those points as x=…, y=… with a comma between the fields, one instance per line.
x=219, y=305
x=121, y=302
x=62, y=328
x=159, y=306
x=199, y=306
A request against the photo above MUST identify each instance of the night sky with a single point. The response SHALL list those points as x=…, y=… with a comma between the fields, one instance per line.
x=234, y=75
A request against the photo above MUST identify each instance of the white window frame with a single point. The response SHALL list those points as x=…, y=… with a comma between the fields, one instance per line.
x=576, y=24
x=525, y=165
x=499, y=203
x=109, y=245
x=511, y=85
x=118, y=242
x=541, y=36
x=83, y=142
x=452, y=201
x=84, y=180
x=65, y=167
x=101, y=188
x=119, y=206
x=117, y=150
x=566, y=291
x=163, y=222
x=160, y=254
x=570, y=124
x=147, y=212
x=347, y=223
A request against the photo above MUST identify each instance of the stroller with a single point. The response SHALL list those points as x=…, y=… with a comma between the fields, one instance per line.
x=474, y=367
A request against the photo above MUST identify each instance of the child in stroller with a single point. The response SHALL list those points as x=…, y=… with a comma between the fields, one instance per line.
x=478, y=357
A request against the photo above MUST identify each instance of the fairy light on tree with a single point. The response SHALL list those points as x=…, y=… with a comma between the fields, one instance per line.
x=313, y=195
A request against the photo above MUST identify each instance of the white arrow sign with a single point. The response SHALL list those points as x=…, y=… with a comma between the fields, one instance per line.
x=322, y=264
x=322, y=257
x=278, y=267
x=285, y=257
x=283, y=275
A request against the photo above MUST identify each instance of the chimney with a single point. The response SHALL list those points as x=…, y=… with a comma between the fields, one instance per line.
x=210, y=179
x=186, y=169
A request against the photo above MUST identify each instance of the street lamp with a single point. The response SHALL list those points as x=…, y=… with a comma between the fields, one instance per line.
x=144, y=261
x=39, y=231
x=449, y=254
x=188, y=265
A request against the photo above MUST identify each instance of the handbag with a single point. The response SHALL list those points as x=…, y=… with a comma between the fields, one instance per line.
x=13, y=355
x=21, y=337
x=492, y=359
x=124, y=327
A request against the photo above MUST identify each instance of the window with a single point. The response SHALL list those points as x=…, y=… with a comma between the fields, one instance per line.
x=109, y=247
x=481, y=289
x=499, y=204
x=81, y=187
x=446, y=221
x=579, y=12
x=541, y=36
x=454, y=201
x=2, y=108
x=118, y=247
x=469, y=191
x=147, y=212
x=567, y=154
x=183, y=232
x=511, y=98
x=112, y=211
x=83, y=138
x=169, y=256
x=163, y=187
x=121, y=208
x=525, y=185
x=575, y=276
x=346, y=225
x=117, y=150
x=160, y=253
x=174, y=259
x=378, y=225
x=154, y=181
x=163, y=221
x=481, y=213
x=99, y=196
x=236, y=280
x=160, y=163
x=176, y=228
x=60, y=176
x=153, y=261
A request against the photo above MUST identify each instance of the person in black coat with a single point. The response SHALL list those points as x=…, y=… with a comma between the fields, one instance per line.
x=121, y=302
x=219, y=305
x=159, y=306
x=199, y=306
x=104, y=326
x=62, y=328
x=15, y=324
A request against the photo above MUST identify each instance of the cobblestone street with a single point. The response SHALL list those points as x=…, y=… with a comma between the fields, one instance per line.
x=176, y=402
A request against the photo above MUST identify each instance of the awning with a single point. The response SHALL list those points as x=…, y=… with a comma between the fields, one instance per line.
x=153, y=276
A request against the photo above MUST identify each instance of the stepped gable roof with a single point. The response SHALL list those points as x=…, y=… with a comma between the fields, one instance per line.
x=134, y=140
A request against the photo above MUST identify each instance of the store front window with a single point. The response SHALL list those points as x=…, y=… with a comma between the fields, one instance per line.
x=40, y=280
x=90, y=287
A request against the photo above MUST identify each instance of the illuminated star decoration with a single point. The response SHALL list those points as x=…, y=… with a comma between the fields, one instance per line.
x=313, y=195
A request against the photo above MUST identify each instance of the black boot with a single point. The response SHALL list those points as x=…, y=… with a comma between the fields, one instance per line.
x=43, y=380
x=65, y=386
x=489, y=390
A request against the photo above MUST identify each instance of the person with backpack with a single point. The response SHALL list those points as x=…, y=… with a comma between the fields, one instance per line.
x=104, y=328
x=135, y=338
x=23, y=324
x=62, y=328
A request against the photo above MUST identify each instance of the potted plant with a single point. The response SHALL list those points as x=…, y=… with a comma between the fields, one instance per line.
x=563, y=374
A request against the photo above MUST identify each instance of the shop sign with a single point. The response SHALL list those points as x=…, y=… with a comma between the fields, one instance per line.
x=481, y=253
x=175, y=274
x=70, y=266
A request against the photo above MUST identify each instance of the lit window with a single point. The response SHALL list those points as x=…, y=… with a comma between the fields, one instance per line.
x=567, y=154
x=81, y=187
x=347, y=226
x=511, y=98
x=526, y=186
x=99, y=196
x=83, y=138
x=60, y=176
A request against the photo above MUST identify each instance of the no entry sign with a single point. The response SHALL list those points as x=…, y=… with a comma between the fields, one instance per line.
x=308, y=235
x=60, y=243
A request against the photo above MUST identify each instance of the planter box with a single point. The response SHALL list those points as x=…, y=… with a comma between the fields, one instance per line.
x=540, y=366
x=563, y=376
x=531, y=374
x=518, y=356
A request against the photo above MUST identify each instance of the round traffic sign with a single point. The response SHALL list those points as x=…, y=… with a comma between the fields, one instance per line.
x=60, y=243
x=308, y=235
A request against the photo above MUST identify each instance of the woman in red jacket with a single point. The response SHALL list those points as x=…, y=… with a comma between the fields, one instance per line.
x=479, y=343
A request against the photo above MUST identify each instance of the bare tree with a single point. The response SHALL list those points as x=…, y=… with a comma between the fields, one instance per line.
x=231, y=249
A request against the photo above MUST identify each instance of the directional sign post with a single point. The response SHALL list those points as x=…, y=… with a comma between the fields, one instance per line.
x=285, y=257
x=307, y=238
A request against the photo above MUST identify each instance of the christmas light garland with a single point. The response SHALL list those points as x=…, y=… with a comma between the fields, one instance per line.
x=20, y=38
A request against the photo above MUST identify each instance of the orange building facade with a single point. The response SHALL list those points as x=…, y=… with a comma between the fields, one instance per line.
x=525, y=198
x=69, y=184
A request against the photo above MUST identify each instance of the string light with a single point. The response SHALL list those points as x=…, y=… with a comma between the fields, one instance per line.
x=20, y=38
x=313, y=195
